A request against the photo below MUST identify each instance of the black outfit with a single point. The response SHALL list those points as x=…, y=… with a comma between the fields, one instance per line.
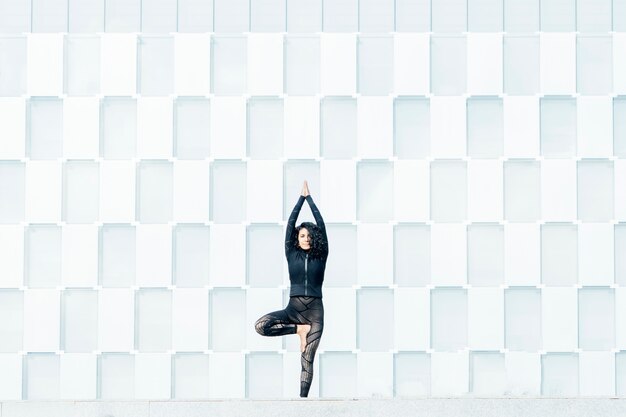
x=305, y=306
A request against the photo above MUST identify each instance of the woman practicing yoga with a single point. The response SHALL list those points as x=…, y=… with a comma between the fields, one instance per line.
x=306, y=249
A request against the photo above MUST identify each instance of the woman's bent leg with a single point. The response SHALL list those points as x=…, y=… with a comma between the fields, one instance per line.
x=276, y=323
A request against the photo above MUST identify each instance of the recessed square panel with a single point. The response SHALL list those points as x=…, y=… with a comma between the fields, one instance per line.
x=15, y=17
x=338, y=374
x=80, y=319
x=227, y=317
x=341, y=267
x=11, y=320
x=594, y=65
x=190, y=377
x=521, y=64
x=304, y=16
x=81, y=191
x=82, y=65
x=375, y=65
x=375, y=191
x=268, y=16
x=302, y=65
x=116, y=373
x=412, y=374
x=192, y=128
x=488, y=373
x=117, y=255
x=448, y=190
x=521, y=15
x=448, y=65
x=43, y=256
x=195, y=16
x=264, y=375
x=154, y=193
x=596, y=318
x=191, y=255
x=265, y=255
x=375, y=319
x=411, y=128
x=122, y=16
x=338, y=127
x=228, y=191
x=265, y=128
x=558, y=15
x=558, y=127
x=485, y=132
x=153, y=321
x=341, y=16
x=231, y=16
x=485, y=254
x=41, y=376
x=448, y=316
x=449, y=15
x=228, y=64
x=376, y=15
x=49, y=16
x=158, y=16
x=485, y=15
x=522, y=315
x=620, y=247
x=155, y=65
x=559, y=375
x=413, y=15
x=595, y=190
x=412, y=255
x=13, y=53
x=619, y=126
x=118, y=128
x=522, y=190
x=559, y=254
x=45, y=128
x=12, y=191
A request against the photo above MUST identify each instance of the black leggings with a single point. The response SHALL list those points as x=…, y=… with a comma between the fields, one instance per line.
x=300, y=310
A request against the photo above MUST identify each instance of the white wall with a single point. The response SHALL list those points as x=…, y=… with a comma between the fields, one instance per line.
x=467, y=157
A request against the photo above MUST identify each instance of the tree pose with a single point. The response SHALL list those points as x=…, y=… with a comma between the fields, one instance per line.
x=306, y=249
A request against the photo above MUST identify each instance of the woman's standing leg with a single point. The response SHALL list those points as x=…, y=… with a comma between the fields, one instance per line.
x=307, y=357
x=314, y=315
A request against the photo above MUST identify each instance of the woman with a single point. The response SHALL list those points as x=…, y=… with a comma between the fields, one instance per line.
x=306, y=248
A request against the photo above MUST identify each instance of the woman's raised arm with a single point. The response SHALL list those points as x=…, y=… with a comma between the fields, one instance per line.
x=291, y=224
x=318, y=217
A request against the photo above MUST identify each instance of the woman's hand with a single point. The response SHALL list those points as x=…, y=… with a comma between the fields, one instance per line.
x=305, y=189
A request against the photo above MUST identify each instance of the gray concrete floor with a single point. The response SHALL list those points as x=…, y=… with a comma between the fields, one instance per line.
x=424, y=407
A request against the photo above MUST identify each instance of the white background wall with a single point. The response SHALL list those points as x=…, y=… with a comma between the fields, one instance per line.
x=467, y=157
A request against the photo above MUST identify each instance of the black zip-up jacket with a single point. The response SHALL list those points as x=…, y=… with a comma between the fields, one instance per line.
x=305, y=273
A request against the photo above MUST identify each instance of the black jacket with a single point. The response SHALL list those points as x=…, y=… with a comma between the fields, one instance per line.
x=305, y=273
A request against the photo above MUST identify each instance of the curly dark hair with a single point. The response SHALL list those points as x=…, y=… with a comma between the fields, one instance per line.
x=319, y=245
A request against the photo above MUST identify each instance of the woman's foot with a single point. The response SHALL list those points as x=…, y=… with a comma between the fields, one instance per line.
x=302, y=330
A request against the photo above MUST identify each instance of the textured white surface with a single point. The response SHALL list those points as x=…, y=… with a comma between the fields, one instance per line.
x=145, y=178
x=440, y=407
